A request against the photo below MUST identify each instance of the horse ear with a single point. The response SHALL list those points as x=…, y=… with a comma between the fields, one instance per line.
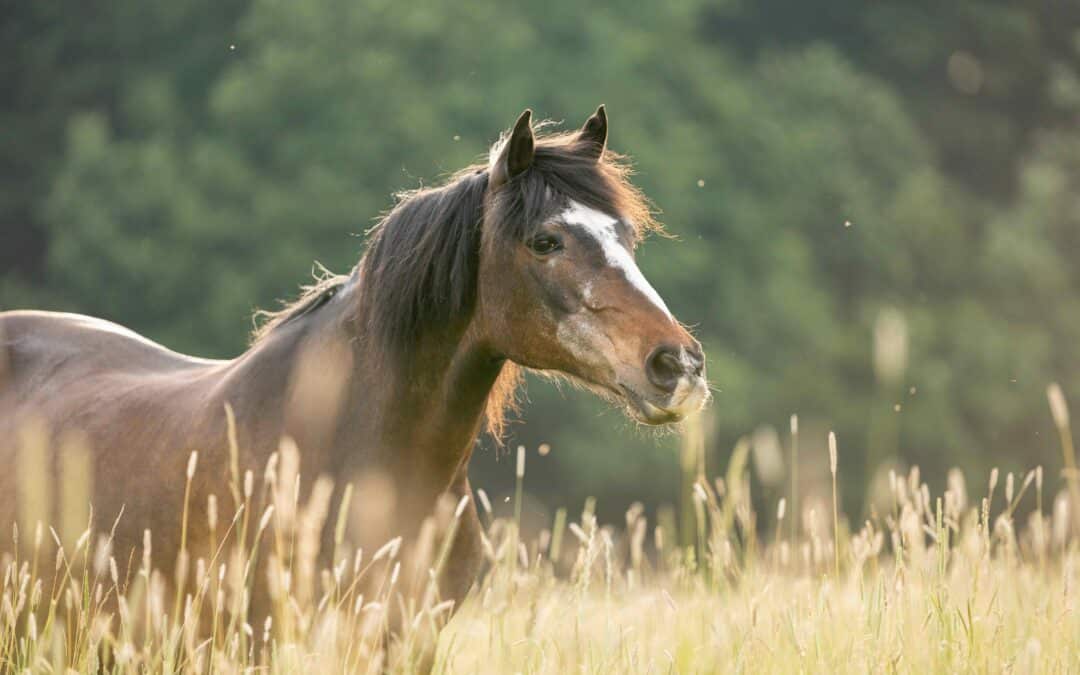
x=516, y=153
x=594, y=133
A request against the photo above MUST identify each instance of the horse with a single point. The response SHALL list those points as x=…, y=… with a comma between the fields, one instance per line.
x=525, y=261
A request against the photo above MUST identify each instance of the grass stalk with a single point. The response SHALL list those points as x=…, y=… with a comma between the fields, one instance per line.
x=835, y=506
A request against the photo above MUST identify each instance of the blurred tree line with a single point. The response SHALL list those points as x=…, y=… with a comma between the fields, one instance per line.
x=875, y=203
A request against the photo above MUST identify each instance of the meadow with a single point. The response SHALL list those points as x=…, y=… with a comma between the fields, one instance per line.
x=949, y=583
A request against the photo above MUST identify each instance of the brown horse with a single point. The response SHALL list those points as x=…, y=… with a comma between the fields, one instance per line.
x=526, y=261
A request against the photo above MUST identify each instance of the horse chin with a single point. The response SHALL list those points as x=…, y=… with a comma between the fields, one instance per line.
x=646, y=412
x=637, y=407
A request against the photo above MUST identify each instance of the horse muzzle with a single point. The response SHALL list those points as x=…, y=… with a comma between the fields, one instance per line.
x=677, y=386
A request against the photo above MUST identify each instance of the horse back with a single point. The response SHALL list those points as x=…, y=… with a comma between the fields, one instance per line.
x=125, y=398
x=31, y=342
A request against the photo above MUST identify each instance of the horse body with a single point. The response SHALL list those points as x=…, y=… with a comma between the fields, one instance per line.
x=135, y=401
x=385, y=377
x=143, y=410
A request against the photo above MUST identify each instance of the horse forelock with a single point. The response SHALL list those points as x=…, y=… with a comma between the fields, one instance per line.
x=565, y=169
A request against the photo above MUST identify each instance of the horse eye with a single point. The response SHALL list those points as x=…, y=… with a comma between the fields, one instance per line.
x=544, y=244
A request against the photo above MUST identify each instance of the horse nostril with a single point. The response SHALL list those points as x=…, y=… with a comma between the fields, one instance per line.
x=664, y=368
x=697, y=361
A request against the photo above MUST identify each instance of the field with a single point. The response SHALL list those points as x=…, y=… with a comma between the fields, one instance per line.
x=950, y=584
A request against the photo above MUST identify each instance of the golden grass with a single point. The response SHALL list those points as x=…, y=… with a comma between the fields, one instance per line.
x=947, y=584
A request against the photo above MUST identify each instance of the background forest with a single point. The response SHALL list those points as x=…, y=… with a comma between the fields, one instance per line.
x=875, y=204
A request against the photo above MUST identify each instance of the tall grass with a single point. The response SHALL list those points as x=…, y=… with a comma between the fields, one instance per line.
x=949, y=583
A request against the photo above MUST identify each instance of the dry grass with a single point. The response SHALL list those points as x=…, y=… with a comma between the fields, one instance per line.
x=936, y=584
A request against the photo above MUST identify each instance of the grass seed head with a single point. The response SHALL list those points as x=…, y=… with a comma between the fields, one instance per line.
x=1059, y=409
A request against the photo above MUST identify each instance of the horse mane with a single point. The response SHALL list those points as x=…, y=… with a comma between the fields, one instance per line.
x=312, y=297
x=419, y=270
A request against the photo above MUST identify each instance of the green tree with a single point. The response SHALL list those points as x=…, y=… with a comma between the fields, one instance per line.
x=60, y=59
x=828, y=172
x=176, y=222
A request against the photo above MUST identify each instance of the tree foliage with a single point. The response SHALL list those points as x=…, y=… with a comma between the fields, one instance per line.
x=829, y=175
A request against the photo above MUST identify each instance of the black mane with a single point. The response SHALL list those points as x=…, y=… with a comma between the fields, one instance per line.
x=419, y=269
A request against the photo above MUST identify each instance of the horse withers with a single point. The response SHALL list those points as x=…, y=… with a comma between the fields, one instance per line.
x=384, y=377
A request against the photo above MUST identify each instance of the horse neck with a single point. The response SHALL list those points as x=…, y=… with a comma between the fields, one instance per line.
x=292, y=382
x=351, y=407
x=435, y=400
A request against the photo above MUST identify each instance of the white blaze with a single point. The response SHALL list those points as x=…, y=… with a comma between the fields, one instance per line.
x=601, y=227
